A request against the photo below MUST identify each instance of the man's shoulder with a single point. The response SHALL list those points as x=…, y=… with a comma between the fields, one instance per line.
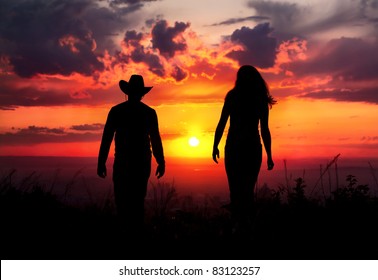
x=147, y=108
x=119, y=106
x=128, y=106
x=116, y=107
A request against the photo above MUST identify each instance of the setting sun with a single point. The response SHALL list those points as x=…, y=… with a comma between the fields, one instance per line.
x=193, y=141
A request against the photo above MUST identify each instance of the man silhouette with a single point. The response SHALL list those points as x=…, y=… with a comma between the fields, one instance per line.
x=134, y=126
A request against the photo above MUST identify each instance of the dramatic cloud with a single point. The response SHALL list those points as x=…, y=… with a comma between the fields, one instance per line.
x=168, y=39
x=60, y=37
x=293, y=19
x=158, y=56
x=139, y=54
x=347, y=67
x=345, y=58
x=341, y=69
x=259, y=48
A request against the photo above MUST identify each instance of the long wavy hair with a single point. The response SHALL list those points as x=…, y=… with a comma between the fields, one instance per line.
x=251, y=87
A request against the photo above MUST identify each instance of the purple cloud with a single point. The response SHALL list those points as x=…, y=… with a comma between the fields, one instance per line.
x=350, y=59
x=163, y=38
x=61, y=37
x=179, y=74
x=140, y=54
x=297, y=20
x=259, y=47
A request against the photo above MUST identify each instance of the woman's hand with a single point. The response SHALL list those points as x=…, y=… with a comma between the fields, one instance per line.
x=270, y=163
x=215, y=154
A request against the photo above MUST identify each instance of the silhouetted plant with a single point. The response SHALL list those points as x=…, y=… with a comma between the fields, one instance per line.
x=164, y=196
x=323, y=172
x=297, y=196
x=352, y=192
x=29, y=210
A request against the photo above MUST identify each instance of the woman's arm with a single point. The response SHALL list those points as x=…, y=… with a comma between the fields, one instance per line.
x=219, y=131
x=265, y=133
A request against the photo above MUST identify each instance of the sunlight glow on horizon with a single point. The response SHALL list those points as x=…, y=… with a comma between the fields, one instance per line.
x=193, y=141
x=299, y=127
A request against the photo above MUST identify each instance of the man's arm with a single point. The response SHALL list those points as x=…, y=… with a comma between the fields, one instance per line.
x=106, y=141
x=157, y=146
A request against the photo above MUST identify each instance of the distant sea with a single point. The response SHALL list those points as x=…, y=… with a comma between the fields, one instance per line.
x=75, y=177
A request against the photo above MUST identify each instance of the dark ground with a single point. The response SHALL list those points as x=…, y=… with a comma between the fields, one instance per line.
x=35, y=224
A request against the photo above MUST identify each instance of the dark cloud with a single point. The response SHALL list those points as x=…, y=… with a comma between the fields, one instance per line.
x=351, y=59
x=88, y=127
x=368, y=9
x=287, y=18
x=167, y=39
x=351, y=63
x=369, y=95
x=120, y=2
x=41, y=130
x=259, y=46
x=239, y=20
x=140, y=54
x=33, y=135
x=12, y=97
x=282, y=14
x=60, y=37
x=179, y=74
x=133, y=38
x=369, y=138
x=294, y=19
x=15, y=92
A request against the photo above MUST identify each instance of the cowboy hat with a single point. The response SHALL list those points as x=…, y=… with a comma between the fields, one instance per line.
x=134, y=86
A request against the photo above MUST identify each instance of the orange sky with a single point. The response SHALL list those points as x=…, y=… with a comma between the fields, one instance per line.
x=299, y=128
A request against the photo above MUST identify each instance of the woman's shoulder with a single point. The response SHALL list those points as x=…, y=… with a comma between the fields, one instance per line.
x=230, y=94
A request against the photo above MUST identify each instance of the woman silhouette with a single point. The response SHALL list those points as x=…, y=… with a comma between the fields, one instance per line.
x=247, y=105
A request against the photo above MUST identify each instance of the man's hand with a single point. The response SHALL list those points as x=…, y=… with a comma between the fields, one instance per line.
x=160, y=170
x=101, y=171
